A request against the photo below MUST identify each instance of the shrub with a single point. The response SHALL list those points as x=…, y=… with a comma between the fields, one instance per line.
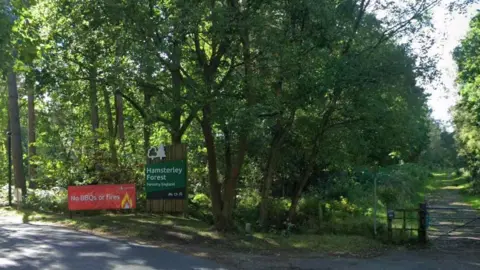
x=353, y=225
x=277, y=212
x=54, y=199
x=247, y=206
x=200, y=207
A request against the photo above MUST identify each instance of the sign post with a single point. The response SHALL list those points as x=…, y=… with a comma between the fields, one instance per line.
x=166, y=179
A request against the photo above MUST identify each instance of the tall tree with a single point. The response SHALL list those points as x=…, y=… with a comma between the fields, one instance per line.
x=17, y=152
x=10, y=55
x=32, y=149
x=467, y=111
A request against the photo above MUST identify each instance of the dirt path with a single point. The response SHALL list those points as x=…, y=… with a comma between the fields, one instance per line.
x=454, y=225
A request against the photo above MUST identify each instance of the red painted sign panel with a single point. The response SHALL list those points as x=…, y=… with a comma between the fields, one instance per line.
x=100, y=197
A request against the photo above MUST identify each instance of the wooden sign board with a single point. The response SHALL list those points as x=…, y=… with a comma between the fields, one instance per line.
x=172, y=152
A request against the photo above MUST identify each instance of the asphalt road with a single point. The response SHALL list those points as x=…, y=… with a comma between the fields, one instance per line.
x=30, y=246
x=27, y=246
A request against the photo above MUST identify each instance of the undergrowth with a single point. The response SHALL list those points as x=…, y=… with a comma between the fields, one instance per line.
x=341, y=204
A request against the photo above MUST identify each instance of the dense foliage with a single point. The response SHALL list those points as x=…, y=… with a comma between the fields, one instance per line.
x=467, y=110
x=286, y=106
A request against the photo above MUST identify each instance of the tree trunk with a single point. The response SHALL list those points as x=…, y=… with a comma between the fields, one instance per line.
x=298, y=193
x=147, y=99
x=120, y=118
x=17, y=153
x=176, y=91
x=230, y=189
x=94, y=119
x=32, y=149
x=228, y=152
x=111, y=131
x=176, y=138
x=215, y=186
x=272, y=161
x=311, y=162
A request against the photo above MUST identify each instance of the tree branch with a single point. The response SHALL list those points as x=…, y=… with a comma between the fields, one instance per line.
x=392, y=31
x=142, y=112
x=188, y=121
x=363, y=7
x=133, y=103
x=202, y=59
x=227, y=75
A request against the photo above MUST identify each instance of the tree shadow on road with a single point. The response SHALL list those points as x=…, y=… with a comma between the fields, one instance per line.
x=27, y=246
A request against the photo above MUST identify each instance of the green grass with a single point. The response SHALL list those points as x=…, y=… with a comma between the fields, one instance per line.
x=441, y=180
x=474, y=200
x=357, y=245
x=165, y=229
x=435, y=182
x=462, y=184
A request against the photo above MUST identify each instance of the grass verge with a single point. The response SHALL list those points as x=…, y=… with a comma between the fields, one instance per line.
x=445, y=180
x=473, y=200
x=165, y=230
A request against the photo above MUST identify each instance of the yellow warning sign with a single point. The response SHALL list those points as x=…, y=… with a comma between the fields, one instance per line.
x=126, y=202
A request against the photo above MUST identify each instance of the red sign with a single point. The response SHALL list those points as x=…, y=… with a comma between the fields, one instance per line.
x=98, y=197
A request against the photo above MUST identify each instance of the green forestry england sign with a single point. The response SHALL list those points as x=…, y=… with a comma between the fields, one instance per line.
x=166, y=180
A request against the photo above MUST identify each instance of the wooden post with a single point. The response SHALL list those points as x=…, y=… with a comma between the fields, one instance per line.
x=404, y=225
x=422, y=228
x=390, y=230
x=390, y=217
x=184, y=207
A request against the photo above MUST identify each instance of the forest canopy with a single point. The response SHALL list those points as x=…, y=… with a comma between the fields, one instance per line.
x=274, y=99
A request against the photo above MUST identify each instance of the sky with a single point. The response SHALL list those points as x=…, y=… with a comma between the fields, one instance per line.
x=450, y=29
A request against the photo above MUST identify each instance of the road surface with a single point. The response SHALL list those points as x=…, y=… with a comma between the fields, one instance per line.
x=28, y=246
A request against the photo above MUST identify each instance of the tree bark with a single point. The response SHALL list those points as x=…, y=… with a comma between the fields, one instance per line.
x=298, y=193
x=32, y=149
x=111, y=131
x=230, y=189
x=228, y=152
x=120, y=121
x=272, y=161
x=215, y=186
x=17, y=153
x=176, y=91
x=94, y=119
x=147, y=99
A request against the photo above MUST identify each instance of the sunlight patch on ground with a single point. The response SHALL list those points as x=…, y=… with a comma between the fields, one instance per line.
x=268, y=240
x=459, y=204
x=180, y=235
x=201, y=254
x=452, y=188
x=212, y=235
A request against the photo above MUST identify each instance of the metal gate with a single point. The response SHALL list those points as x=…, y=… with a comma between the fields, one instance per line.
x=453, y=226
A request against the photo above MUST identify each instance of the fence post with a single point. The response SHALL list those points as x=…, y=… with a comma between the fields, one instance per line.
x=422, y=224
x=390, y=217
